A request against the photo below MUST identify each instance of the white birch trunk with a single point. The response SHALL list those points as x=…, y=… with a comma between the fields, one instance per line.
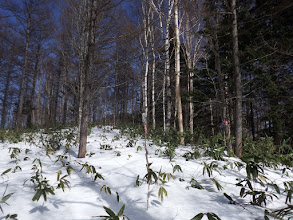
x=145, y=46
x=153, y=74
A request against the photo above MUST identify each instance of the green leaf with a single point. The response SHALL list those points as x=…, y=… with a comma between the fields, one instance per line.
x=162, y=191
x=249, y=185
x=218, y=185
x=5, y=198
x=117, y=197
x=109, y=211
x=267, y=213
x=242, y=191
x=109, y=190
x=6, y=171
x=198, y=216
x=138, y=183
x=93, y=169
x=50, y=191
x=120, y=213
x=44, y=195
x=14, y=216
x=177, y=168
x=228, y=197
x=98, y=175
x=212, y=216
x=58, y=175
x=69, y=169
x=37, y=195
x=277, y=189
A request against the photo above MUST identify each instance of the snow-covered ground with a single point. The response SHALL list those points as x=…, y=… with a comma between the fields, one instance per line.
x=120, y=167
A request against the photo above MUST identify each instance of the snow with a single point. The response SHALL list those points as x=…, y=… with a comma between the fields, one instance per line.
x=85, y=199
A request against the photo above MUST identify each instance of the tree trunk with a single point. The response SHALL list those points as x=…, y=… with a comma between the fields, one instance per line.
x=223, y=92
x=24, y=69
x=146, y=19
x=30, y=120
x=5, y=98
x=164, y=102
x=167, y=68
x=81, y=96
x=190, y=89
x=115, y=89
x=55, y=116
x=238, y=85
x=177, y=72
x=87, y=73
x=37, y=116
x=153, y=81
x=65, y=104
x=145, y=88
x=212, y=117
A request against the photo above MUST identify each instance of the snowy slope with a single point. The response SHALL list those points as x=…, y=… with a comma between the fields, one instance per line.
x=84, y=199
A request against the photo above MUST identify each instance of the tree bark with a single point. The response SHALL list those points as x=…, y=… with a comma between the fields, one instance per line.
x=65, y=104
x=177, y=72
x=30, y=120
x=238, y=84
x=5, y=98
x=167, y=67
x=223, y=91
x=146, y=19
x=87, y=73
x=56, y=98
x=24, y=69
x=153, y=76
x=37, y=115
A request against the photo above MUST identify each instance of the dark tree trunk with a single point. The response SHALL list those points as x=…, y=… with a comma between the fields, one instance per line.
x=87, y=68
x=223, y=88
x=237, y=83
x=5, y=99
x=33, y=91
x=57, y=96
x=65, y=104
x=24, y=69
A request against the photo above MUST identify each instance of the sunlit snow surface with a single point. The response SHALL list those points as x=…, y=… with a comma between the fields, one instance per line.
x=85, y=200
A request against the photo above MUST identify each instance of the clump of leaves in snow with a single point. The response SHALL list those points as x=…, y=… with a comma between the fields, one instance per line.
x=170, y=151
x=209, y=168
x=280, y=213
x=210, y=216
x=214, y=147
x=62, y=181
x=5, y=198
x=105, y=147
x=107, y=189
x=12, y=136
x=15, y=151
x=194, y=184
x=90, y=169
x=41, y=184
x=51, y=139
x=255, y=174
x=112, y=216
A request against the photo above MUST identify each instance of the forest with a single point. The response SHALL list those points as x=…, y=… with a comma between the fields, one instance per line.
x=180, y=109
x=186, y=68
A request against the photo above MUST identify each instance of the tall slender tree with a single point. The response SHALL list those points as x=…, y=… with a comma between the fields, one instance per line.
x=238, y=83
x=177, y=71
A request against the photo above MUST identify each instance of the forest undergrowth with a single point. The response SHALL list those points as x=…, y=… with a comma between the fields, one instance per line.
x=257, y=157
